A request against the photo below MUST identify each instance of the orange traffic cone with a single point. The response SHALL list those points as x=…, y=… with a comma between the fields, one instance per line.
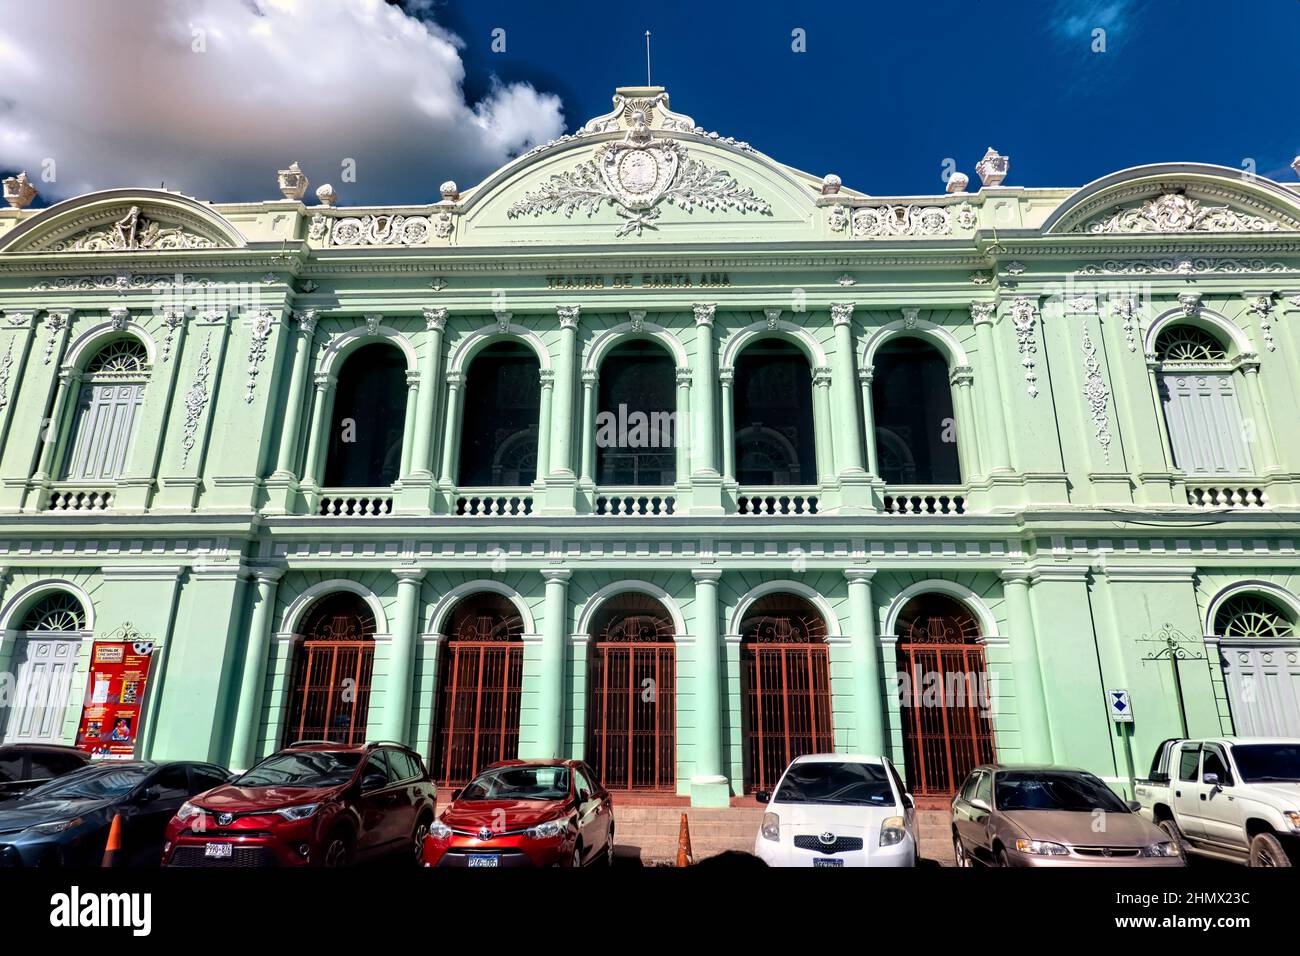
x=114, y=841
x=684, y=855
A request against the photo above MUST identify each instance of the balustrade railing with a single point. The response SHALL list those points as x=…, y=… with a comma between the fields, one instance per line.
x=67, y=497
x=355, y=503
x=925, y=501
x=635, y=502
x=494, y=503
x=1203, y=496
x=776, y=502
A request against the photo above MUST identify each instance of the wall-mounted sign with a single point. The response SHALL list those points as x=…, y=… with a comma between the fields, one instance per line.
x=642, y=280
x=115, y=686
x=1121, y=708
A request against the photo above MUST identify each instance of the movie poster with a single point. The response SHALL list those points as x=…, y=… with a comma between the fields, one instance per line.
x=110, y=719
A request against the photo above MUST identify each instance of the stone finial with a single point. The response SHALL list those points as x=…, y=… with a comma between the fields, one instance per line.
x=831, y=184
x=992, y=168
x=293, y=183
x=326, y=195
x=1295, y=164
x=957, y=183
x=19, y=192
x=450, y=191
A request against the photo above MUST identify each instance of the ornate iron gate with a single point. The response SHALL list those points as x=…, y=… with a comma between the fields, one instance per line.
x=330, y=690
x=479, y=696
x=785, y=687
x=632, y=741
x=945, y=707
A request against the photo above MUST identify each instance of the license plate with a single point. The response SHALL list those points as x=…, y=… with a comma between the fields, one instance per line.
x=484, y=859
x=830, y=862
x=218, y=851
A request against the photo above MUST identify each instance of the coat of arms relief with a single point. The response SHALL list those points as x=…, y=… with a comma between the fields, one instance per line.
x=636, y=176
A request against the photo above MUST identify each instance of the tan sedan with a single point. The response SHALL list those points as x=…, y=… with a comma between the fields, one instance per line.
x=1051, y=816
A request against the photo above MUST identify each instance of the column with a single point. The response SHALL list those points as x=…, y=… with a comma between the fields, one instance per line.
x=682, y=433
x=562, y=413
x=726, y=378
x=408, y=422
x=998, y=452
x=69, y=384
x=865, y=377
x=821, y=381
x=709, y=786
x=1259, y=410
x=401, y=664
x=287, y=459
x=550, y=691
x=243, y=750
x=314, y=467
x=848, y=434
x=590, y=379
x=868, y=692
x=435, y=320
x=964, y=408
x=703, y=424
x=544, y=424
x=1035, y=734
x=450, y=432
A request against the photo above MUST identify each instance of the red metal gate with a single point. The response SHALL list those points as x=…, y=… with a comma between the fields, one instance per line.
x=478, y=708
x=945, y=706
x=632, y=743
x=331, y=691
x=787, y=707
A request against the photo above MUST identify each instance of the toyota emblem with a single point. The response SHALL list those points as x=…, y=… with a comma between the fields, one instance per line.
x=225, y=819
x=484, y=833
x=827, y=838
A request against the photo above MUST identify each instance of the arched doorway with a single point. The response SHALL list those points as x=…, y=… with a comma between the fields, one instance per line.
x=479, y=688
x=1260, y=652
x=631, y=709
x=785, y=686
x=945, y=705
x=498, y=432
x=45, y=656
x=636, y=427
x=773, y=416
x=911, y=404
x=112, y=393
x=330, y=693
x=1197, y=385
x=365, y=439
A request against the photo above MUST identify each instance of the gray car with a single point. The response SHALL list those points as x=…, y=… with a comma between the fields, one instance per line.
x=1050, y=817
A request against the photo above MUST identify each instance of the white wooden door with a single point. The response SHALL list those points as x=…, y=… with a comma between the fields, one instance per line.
x=1263, y=688
x=1206, y=431
x=45, y=668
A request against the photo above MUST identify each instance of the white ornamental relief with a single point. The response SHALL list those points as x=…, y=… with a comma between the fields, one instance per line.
x=172, y=320
x=1179, y=267
x=1177, y=212
x=131, y=233
x=637, y=176
x=6, y=365
x=383, y=230
x=262, y=326
x=887, y=222
x=54, y=323
x=1262, y=308
x=1023, y=316
x=196, y=400
x=1125, y=308
x=1097, y=392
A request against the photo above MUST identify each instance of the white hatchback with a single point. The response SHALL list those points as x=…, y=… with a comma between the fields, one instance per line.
x=838, y=810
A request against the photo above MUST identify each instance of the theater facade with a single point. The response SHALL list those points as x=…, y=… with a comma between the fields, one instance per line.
x=651, y=450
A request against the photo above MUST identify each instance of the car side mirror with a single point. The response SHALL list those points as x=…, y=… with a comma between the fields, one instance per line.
x=455, y=794
x=909, y=802
x=979, y=803
x=584, y=796
x=373, y=781
x=1211, y=780
x=762, y=796
x=1133, y=806
x=149, y=794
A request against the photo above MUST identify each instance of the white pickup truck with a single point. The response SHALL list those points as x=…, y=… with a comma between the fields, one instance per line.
x=1232, y=798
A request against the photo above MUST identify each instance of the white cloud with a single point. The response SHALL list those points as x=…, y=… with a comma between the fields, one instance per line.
x=212, y=96
x=1078, y=18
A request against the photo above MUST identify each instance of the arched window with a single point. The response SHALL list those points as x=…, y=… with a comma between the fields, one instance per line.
x=636, y=423
x=774, y=416
x=1252, y=615
x=330, y=693
x=911, y=402
x=785, y=686
x=365, y=439
x=1259, y=650
x=1198, y=393
x=112, y=391
x=498, y=438
x=632, y=681
x=946, y=708
x=45, y=658
x=479, y=688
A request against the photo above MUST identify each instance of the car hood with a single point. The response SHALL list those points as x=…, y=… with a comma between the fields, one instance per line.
x=513, y=814
x=232, y=799
x=819, y=818
x=1085, y=829
x=1284, y=796
x=27, y=812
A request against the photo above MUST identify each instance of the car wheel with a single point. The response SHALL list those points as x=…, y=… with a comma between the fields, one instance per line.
x=338, y=851
x=577, y=857
x=959, y=852
x=421, y=831
x=1001, y=858
x=1267, y=850
x=609, y=847
x=1175, y=837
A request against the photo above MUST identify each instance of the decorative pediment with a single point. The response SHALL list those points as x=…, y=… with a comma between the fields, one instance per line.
x=1177, y=212
x=134, y=231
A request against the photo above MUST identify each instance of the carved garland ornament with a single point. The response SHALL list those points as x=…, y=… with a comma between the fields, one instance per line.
x=6, y=364
x=384, y=230
x=1097, y=392
x=262, y=326
x=636, y=176
x=1179, y=266
x=1176, y=212
x=54, y=322
x=196, y=400
x=1023, y=314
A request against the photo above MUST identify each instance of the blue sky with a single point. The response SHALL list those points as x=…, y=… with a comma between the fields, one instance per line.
x=887, y=90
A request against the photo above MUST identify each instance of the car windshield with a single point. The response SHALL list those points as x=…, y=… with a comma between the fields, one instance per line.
x=519, y=783
x=1268, y=763
x=835, y=782
x=101, y=782
x=1037, y=790
x=304, y=768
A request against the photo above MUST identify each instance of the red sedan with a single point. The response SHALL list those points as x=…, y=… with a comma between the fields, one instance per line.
x=526, y=813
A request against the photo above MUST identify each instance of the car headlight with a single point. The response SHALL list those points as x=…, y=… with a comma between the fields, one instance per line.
x=1160, y=849
x=892, y=831
x=440, y=831
x=771, y=828
x=56, y=826
x=300, y=812
x=187, y=811
x=1041, y=848
x=548, y=830
x=1293, y=818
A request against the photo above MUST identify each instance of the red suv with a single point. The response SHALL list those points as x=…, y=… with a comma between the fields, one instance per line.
x=312, y=804
x=526, y=813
